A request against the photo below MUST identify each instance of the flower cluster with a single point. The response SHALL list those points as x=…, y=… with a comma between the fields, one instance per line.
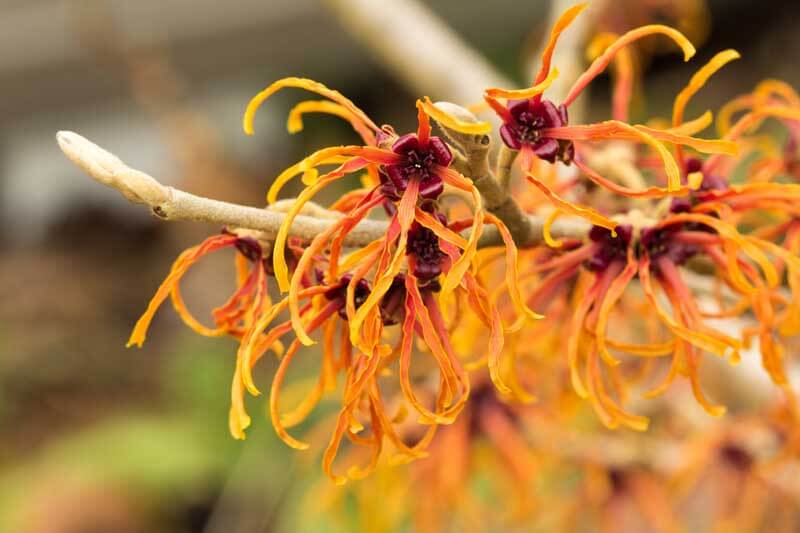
x=411, y=320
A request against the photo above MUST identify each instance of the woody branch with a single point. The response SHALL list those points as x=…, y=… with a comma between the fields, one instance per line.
x=169, y=203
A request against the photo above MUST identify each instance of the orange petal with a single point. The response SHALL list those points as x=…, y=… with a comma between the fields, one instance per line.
x=696, y=338
x=327, y=156
x=561, y=24
x=530, y=92
x=698, y=81
x=694, y=126
x=309, y=85
x=294, y=122
x=600, y=64
x=512, y=270
x=427, y=416
x=238, y=420
x=614, y=129
x=179, y=268
x=450, y=122
x=568, y=207
x=384, y=278
x=623, y=73
x=423, y=125
x=548, y=238
x=612, y=295
x=650, y=192
x=279, y=249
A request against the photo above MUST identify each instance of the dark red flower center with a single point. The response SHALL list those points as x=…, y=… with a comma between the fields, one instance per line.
x=249, y=247
x=423, y=245
x=392, y=304
x=736, y=456
x=338, y=291
x=528, y=120
x=659, y=242
x=610, y=248
x=418, y=162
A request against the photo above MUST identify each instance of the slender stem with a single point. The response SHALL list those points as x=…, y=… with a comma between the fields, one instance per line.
x=505, y=160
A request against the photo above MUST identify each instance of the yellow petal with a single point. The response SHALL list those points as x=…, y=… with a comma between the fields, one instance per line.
x=698, y=81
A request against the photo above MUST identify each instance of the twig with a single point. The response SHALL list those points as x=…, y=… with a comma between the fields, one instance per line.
x=505, y=160
x=169, y=203
x=418, y=48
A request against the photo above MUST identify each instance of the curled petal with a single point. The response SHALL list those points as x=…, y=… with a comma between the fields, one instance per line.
x=790, y=325
x=588, y=295
x=650, y=192
x=699, y=339
x=456, y=273
x=426, y=416
x=706, y=146
x=309, y=85
x=530, y=92
x=238, y=419
x=613, y=294
x=443, y=232
x=294, y=122
x=749, y=245
x=643, y=350
x=356, y=215
x=614, y=129
x=326, y=156
x=385, y=277
x=568, y=207
x=343, y=422
x=623, y=72
x=698, y=80
x=561, y=24
x=770, y=87
x=501, y=110
x=512, y=270
x=251, y=345
x=450, y=122
x=600, y=64
x=694, y=126
x=548, y=238
x=179, y=268
x=280, y=373
x=436, y=337
x=225, y=316
x=279, y=259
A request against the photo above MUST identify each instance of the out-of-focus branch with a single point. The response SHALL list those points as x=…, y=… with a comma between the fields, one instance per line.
x=169, y=203
x=159, y=88
x=419, y=48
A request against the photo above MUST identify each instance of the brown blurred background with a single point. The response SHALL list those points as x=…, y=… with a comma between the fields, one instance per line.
x=94, y=437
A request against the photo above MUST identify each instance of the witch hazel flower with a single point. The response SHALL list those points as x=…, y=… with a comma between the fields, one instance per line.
x=399, y=286
x=418, y=162
x=538, y=128
x=525, y=122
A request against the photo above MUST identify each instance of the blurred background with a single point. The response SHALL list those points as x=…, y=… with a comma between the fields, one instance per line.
x=94, y=437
